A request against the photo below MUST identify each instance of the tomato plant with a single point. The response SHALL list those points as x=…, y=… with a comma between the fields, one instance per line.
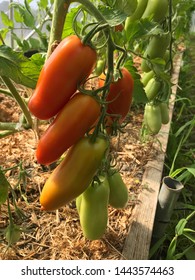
x=72, y=176
x=68, y=66
x=72, y=122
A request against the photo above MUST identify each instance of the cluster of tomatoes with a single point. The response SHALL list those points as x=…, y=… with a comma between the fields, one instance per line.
x=156, y=112
x=75, y=114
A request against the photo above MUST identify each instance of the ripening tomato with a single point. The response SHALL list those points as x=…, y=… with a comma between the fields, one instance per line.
x=68, y=66
x=74, y=174
x=72, y=122
x=119, y=28
x=120, y=94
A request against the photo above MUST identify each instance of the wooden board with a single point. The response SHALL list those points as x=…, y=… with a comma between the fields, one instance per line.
x=137, y=244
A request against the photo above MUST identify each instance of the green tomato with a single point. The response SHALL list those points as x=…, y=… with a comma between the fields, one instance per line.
x=141, y=6
x=158, y=45
x=93, y=211
x=118, y=190
x=145, y=66
x=78, y=202
x=99, y=67
x=152, y=88
x=152, y=118
x=164, y=112
x=156, y=10
x=156, y=49
x=147, y=77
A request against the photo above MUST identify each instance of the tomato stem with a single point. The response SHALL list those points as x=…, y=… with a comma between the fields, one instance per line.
x=18, y=99
x=122, y=57
x=92, y=10
x=59, y=16
x=86, y=40
x=7, y=92
x=10, y=213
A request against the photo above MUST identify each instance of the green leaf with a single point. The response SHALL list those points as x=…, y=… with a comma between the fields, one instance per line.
x=43, y=4
x=138, y=28
x=68, y=27
x=18, y=40
x=127, y=6
x=190, y=234
x=180, y=226
x=17, y=67
x=17, y=16
x=157, y=246
x=34, y=43
x=3, y=33
x=180, y=255
x=25, y=13
x=6, y=21
x=27, y=6
x=113, y=17
x=139, y=95
x=186, y=206
x=190, y=253
x=191, y=170
x=171, y=249
x=4, y=187
x=31, y=68
x=26, y=45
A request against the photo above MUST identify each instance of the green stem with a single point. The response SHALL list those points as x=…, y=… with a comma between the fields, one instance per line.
x=92, y=10
x=5, y=91
x=190, y=216
x=91, y=33
x=18, y=99
x=10, y=213
x=7, y=133
x=59, y=16
x=8, y=126
x=170, y=30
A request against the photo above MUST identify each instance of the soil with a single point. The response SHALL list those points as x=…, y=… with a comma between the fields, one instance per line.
x=57, y=235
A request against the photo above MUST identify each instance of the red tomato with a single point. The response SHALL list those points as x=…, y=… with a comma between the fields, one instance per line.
x=119, y=28
x=72, y=122
x=120, y=93
x=69, y=65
